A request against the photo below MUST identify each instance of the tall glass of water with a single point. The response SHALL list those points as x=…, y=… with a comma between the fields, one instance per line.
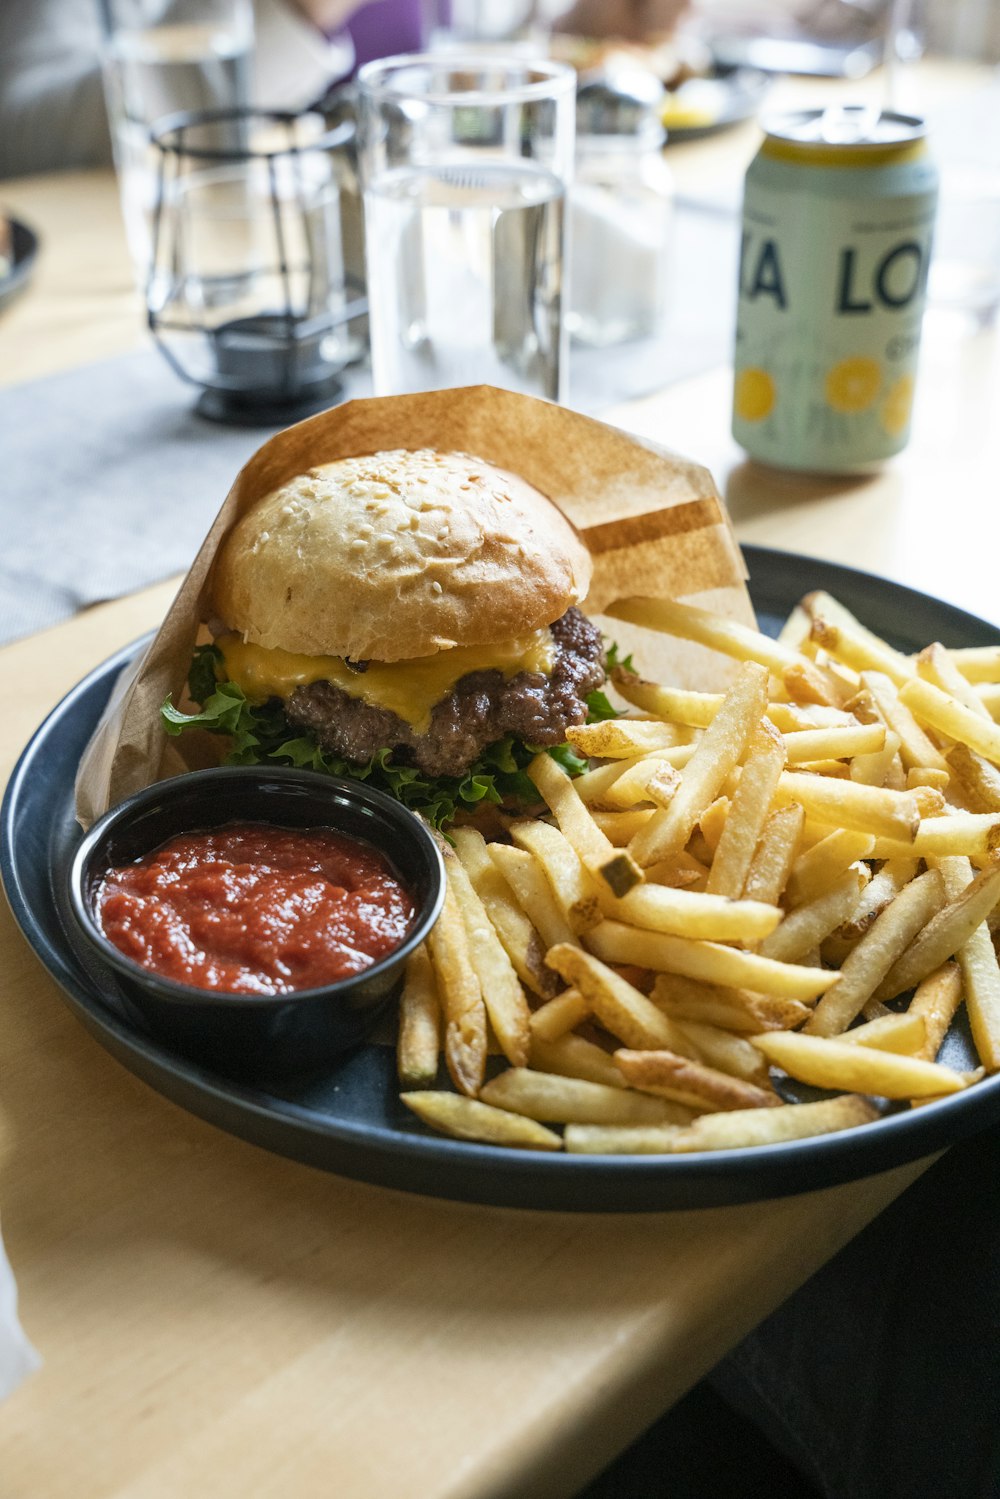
x=466, y=163
x=160, y=60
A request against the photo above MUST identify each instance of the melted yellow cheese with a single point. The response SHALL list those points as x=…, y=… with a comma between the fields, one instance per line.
x=407, y=688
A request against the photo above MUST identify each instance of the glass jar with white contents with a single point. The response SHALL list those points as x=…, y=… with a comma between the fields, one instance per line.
x=622, y=201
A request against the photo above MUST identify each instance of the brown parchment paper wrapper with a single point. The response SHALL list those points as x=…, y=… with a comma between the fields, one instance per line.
x=653, y=521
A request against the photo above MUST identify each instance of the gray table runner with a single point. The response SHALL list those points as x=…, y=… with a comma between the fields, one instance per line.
x=109, y=481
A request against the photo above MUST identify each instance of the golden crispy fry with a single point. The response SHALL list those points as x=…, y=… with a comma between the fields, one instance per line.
x=625, y=1139
x=904, y=1033
x=683, y=872
x=936, y=666
x=859, y=641
x=621, y=827
x=468, y=1119
x=534, y=894
x=988, y=696
x=980, y=974
x=501, y=989
x=846, y=804
x=885, y=941
x=573, y=888
x=594, y=850
x=673, y=704
x=973, y=834
x=691, y=913
x=719, y=750
x=575, y=1056
x=775, y=853
x=879, y=769
x=883, y=887
x=926, y=775
x=731, y=1009
x=618, y=1005
x=815, y=870
x=942, y=937
x=461, y=997
x=552, y=1099
x=749, y=1127
x=621, y=738
x=560, y=1015
x=419, y=1040
x=836, y=1063
x=936, y=1002
x=711, y=824
x=522, y=942
x=719, y=1048
x=978, y=663
x=935, y=708
x=708, y=961
x=914, y=745
x=683, y=1081
x=712, y=630
x=834, y=744
x=809, y=925
x=978, y=781
x=748, y=813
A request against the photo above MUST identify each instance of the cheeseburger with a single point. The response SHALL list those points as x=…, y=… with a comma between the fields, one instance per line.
x=408, y=617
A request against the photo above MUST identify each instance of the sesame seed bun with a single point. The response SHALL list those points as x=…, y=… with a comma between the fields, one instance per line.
x=398, y=555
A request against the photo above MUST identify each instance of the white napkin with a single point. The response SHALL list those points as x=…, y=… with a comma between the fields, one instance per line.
x=17, y=1357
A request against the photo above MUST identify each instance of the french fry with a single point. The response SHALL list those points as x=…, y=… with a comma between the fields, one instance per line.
x=746, y=1128
x=809, y=925
x=559, y=1015
x=795, y=630
x=522, y=942
x=648, y=780
x=534, y=894
x=552, y=1099
x=876, y=769
x=725, y=635
x=623, y=1139
x=727, y=1053
x=936, y=666
x=883, y=887
x=731, y=1009
x=711, y=962
x=501, y=989
x=846, y=804
x=837, y=1064
x=885, y=941
x=594, y=850
x=619, y=1006
x=772, y=861
x=717, y=752
x=904, y=1033
x=468, y=1119
x=978, y=780
x=747, y=815
x=935, y=708
x=673, y=704
x=419, y=1039
x=978, y=663
x=575, y=1056
x=621, y=827
x=926, y=775
x=914, y=745
x=860, y=651
x=973, y=834
x=573, y=888
x=691, y=913
x=987, y=694
x=621, y=738
x=711, y=825
x=461, y=997
x=823, y=607
x=936, y=1001
x=980, y=974
x=683, y=872
x=814, y=871
x=834, y=744
x=944, y=935
x=668, y=1075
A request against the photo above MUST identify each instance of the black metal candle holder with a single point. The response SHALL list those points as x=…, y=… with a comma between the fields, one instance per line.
x=279, y=356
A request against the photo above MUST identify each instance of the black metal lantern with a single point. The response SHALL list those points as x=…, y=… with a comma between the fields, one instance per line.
x=254, y=291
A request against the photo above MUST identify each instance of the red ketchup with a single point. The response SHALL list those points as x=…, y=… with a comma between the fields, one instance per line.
x=253, y=909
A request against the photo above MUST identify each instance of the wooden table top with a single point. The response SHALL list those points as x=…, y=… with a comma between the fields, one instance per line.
x=217, y=1320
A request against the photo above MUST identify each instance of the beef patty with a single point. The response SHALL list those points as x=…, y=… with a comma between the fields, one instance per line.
x=481, y=708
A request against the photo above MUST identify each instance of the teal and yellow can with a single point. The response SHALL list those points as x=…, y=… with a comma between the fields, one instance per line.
x=838, y=217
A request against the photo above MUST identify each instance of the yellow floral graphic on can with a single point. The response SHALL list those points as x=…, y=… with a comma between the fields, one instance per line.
x=895, y=412
x=754, y=394
x=852, y=385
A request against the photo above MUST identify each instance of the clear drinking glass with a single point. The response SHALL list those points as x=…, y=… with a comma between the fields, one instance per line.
x=161, y=60
x=466, y=162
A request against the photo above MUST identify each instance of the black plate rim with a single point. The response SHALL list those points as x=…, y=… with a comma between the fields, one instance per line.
x=24, y=243
x=438, y=1166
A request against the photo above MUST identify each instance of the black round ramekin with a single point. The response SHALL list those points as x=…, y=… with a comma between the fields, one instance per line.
x=254, y=1033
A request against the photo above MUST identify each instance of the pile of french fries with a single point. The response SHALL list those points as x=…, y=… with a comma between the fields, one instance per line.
x=790, y=883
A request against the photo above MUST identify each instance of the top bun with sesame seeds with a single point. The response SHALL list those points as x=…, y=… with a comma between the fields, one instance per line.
x=398, y=555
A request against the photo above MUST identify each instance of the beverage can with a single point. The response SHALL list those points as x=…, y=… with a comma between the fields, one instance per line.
x=838, y=217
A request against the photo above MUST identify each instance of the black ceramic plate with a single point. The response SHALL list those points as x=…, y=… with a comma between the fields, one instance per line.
x=348, y=1118
x=723, y=97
